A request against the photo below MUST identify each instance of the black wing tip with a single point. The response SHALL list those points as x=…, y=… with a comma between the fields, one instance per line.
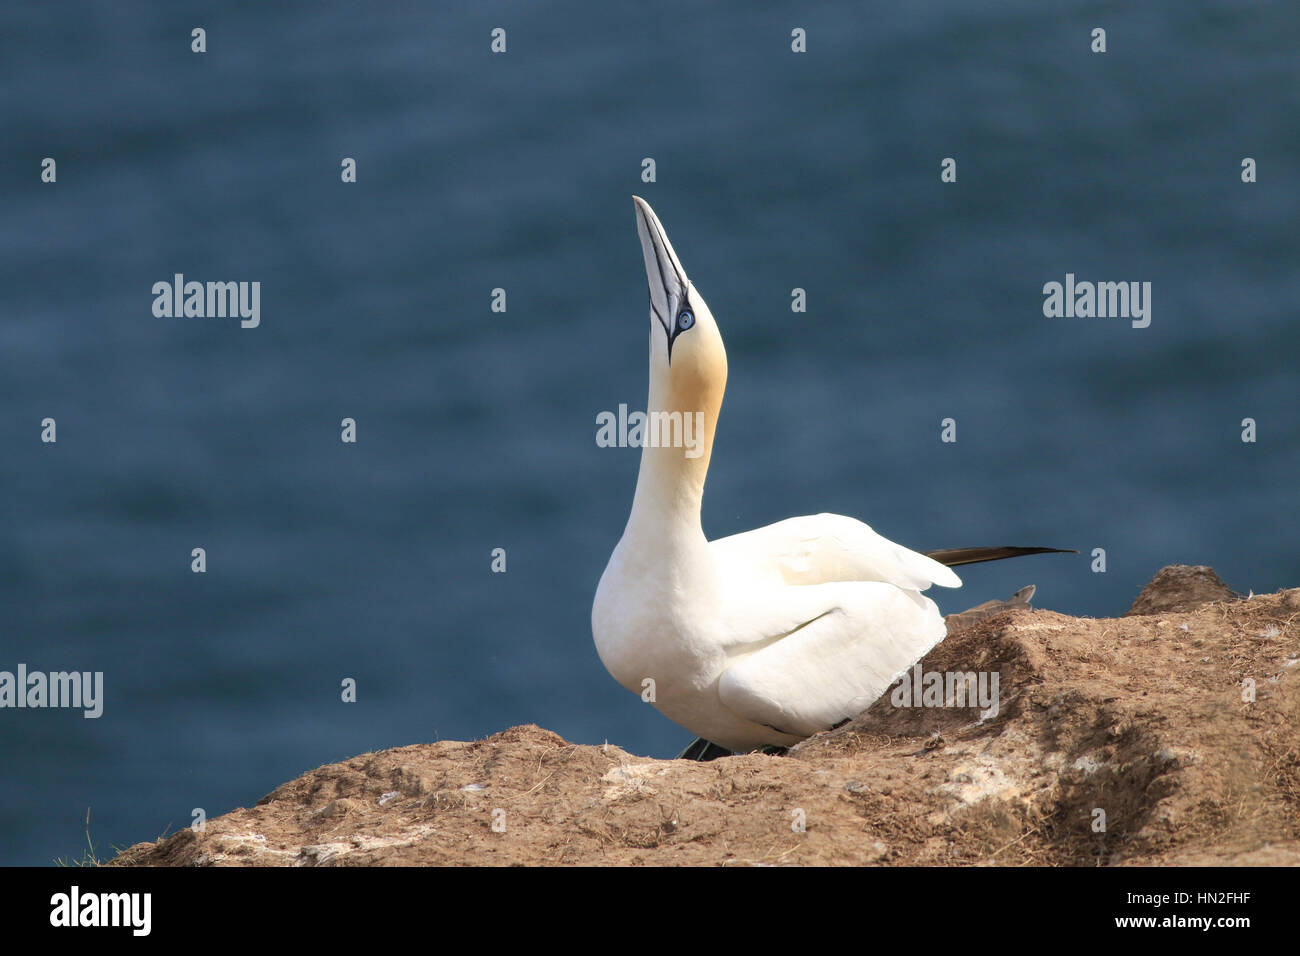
x=958, y=556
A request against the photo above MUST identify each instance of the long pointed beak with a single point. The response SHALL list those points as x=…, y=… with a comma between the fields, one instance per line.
x=663, y=270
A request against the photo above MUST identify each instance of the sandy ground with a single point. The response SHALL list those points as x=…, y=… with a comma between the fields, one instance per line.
x=1117, y=741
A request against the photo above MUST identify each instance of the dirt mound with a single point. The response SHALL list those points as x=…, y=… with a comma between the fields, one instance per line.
x=1165, y=737
x=1181, y=588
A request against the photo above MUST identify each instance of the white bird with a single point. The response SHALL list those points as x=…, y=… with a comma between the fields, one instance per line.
x=762, y=638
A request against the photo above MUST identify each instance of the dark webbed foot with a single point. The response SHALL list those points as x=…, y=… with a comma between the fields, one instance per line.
x=701, y=749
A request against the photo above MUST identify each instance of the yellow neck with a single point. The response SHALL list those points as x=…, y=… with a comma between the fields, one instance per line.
x=684, y=402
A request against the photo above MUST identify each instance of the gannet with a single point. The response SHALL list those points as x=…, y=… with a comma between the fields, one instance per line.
x=764, y=638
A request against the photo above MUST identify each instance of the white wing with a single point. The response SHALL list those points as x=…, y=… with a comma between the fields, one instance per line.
x=837, y=663
x=818, y=549
x=831, y=615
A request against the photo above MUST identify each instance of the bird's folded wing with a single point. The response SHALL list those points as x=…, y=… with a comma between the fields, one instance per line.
x=818, y=549
x=838, y=663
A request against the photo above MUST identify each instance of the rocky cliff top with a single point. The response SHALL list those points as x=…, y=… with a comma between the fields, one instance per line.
x=1168, y=736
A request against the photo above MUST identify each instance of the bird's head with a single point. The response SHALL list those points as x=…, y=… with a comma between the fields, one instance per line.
x=688, y=365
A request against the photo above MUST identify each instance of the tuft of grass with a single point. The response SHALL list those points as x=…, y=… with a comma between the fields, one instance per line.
x=89, y=856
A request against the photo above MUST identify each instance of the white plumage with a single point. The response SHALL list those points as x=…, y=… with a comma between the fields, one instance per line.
x=764, y=637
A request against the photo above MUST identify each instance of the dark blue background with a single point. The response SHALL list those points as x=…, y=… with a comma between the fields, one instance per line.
x=477, y=430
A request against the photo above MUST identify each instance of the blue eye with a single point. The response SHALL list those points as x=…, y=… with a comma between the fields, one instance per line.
x=685, y=320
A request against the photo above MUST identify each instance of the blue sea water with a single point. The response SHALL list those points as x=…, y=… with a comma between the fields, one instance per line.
x=476, y=430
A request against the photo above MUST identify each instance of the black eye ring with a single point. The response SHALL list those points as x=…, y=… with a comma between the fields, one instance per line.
x=685, y=320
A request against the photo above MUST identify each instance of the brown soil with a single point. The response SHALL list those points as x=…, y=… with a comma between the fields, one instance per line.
x=1141, y=717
